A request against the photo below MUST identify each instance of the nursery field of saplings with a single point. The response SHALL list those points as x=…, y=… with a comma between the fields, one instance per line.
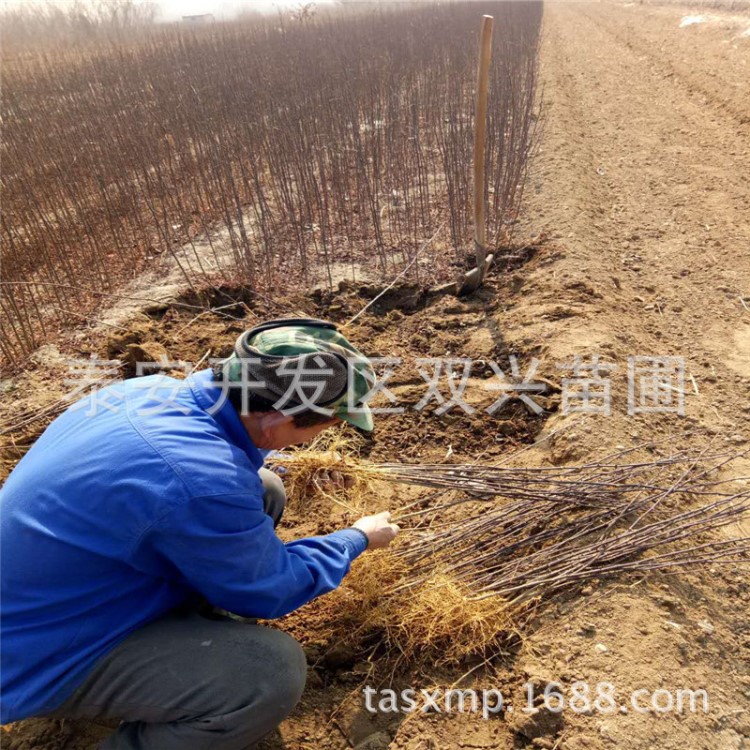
x=314, y=146
x=566, y=448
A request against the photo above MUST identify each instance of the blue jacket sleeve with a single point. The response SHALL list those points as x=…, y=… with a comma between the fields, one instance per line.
x=225, y=547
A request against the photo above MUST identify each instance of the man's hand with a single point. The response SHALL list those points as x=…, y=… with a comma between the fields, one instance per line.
x=378, y=528
x=334, y=479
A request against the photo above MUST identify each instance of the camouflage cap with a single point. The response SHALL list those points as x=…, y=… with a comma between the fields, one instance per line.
x=307, y=356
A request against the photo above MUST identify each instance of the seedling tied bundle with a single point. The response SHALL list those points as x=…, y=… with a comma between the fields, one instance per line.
x=492, y=543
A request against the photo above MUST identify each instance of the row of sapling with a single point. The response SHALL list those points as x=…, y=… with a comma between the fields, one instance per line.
x=344, y=138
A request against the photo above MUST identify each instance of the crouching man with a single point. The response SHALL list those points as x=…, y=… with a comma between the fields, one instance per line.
x=146, y=505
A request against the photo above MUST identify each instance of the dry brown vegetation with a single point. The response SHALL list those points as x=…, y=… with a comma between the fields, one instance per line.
x=338, y=138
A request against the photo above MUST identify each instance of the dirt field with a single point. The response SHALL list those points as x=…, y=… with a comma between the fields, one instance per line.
x=642, y=188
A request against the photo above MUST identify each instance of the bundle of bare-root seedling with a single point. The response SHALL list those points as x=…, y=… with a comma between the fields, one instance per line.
x=460, y=583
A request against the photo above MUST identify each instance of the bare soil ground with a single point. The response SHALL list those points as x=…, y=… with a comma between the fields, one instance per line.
x=643, y=187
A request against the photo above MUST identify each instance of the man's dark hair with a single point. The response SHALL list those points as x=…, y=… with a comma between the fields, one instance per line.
x=255, y=403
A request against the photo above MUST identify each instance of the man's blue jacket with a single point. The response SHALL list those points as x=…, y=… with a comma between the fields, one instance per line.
x=141, y=497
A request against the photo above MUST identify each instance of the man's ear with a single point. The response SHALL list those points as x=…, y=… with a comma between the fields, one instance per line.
x=270, y=421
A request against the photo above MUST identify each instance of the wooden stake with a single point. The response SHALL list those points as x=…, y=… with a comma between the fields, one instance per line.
x=480, y=131
x=475, y=277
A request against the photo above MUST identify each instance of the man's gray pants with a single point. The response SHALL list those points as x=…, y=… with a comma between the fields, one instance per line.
x=189, y=682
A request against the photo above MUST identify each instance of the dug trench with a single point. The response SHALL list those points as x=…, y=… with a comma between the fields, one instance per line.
x=414, y=328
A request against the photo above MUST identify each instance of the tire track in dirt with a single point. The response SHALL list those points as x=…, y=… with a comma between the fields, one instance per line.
x=718, y=77
x=650, y=191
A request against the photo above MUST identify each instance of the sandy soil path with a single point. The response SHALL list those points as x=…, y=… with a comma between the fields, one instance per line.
x=643, y=181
